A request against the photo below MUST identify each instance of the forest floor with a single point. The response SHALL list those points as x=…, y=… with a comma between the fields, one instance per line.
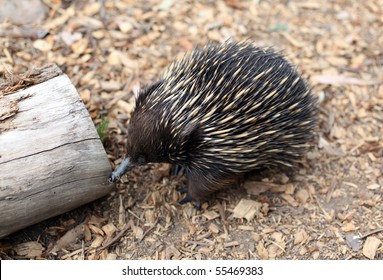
x=330, y=208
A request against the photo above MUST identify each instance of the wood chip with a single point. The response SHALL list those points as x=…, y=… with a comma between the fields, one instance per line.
x=348, y=227
x=325, y=209
x=110, y=86
x=214, y=228
x=43, y=45
x=138, y=232
x=109, y=229
x=302, y=196
x=111, y=256
x=250, y=228
x=97, y=241
x=373, y=187
x=247, y=209
x=231, y=244
x=342, y=79
x=172, y=253
x=289, y=199
x=256, y=188
x=371, y=246
x=96, y=230
x=300, y=237
x=203, y=236
x=210, y=215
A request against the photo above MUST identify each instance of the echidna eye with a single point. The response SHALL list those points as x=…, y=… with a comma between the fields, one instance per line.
x=141, y=160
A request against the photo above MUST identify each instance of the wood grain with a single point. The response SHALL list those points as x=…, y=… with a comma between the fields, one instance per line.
x=51, y=158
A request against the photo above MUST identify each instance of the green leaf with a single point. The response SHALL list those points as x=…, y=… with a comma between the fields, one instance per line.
x=102, y=129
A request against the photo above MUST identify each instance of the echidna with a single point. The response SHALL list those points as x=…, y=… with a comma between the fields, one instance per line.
x=220, y=112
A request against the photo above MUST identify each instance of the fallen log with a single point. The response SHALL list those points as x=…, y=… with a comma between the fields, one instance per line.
x=51, y=157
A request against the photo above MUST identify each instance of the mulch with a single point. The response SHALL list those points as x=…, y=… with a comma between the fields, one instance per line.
x=331, y=207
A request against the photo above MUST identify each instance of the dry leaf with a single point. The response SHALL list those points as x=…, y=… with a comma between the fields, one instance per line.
x=262, y=252
x=29, y=249
x=69, y=237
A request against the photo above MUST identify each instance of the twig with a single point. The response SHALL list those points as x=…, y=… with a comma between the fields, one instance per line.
x=371, y=233
x=276, y=244
x=148, y=230
x=24, y=33
x=196, y=243
x=82, y=250
x=332, y=189
x=134, y=215
x=115, y=239
x=32, y=77
x=328, y=217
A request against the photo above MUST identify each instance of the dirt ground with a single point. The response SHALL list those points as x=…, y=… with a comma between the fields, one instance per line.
x=330, y=208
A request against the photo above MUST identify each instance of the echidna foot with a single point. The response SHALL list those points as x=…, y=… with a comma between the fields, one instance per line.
x=188, y=198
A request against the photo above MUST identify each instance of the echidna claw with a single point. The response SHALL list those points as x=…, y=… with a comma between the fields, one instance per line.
x=182, y=189
x=187, y=199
